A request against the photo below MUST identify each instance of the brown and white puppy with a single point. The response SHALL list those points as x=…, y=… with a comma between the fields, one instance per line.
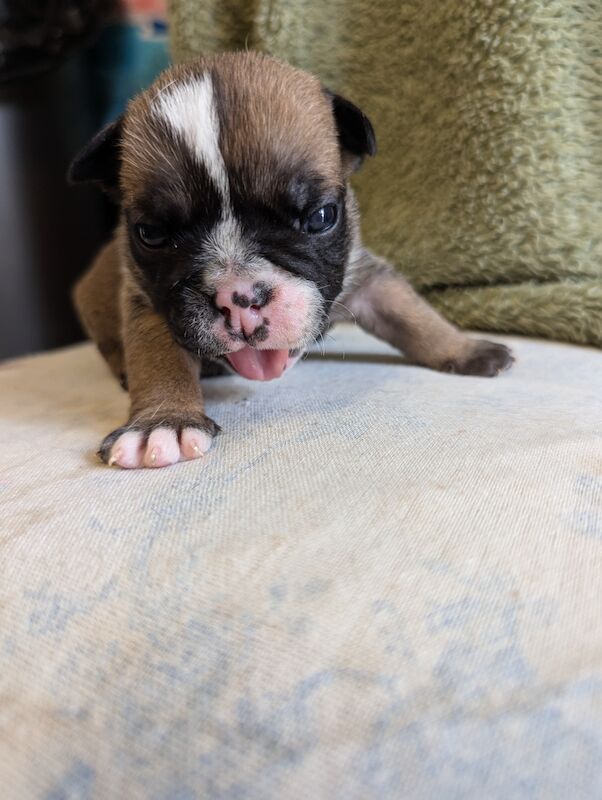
x=238, y=245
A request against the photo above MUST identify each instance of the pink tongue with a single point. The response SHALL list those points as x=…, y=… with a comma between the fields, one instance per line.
x=259, y=365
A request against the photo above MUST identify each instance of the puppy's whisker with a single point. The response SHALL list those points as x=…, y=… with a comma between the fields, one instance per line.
x=347, y=309
x=320, y=343
x=343, y=351
x=132, y=423
x=165, y=88
x=159, y=407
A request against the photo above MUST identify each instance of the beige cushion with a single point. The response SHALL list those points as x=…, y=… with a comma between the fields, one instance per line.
x=382, y=583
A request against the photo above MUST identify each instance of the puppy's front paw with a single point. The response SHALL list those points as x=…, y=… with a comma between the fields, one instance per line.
x=483, y=358
x=158, y=442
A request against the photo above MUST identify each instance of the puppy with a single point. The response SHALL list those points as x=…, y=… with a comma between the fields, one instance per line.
x=238, y=244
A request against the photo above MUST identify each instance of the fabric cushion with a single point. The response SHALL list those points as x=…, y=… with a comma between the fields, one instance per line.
x=382, y=582
x=486, y=188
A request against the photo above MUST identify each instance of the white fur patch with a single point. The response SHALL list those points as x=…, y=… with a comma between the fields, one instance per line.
x=189, y=108
x=226, y=248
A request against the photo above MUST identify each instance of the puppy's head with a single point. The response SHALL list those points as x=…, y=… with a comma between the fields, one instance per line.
x=232, y=175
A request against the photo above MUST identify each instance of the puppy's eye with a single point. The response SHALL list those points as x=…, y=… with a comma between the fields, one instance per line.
x=322, y=220
x=151, y=235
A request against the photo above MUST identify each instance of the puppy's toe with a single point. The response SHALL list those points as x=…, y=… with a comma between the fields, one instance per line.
x=162, y=448
x=123, y=449
x=486, y=359
x=194, y=443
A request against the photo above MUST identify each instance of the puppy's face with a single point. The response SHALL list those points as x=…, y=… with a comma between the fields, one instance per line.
x=231, y=173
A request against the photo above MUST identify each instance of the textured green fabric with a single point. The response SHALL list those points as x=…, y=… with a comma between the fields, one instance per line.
x=487, y=189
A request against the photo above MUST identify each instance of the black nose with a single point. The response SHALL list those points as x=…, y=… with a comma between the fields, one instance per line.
x=240, y=300
x=256, y=297
x=262, y=294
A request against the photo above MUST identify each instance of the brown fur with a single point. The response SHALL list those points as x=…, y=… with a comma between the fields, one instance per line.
x=305, y=134
x=151, y=351
x=96, y=299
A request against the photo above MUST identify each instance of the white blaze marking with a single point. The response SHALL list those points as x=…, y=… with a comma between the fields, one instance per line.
x=189, y=108
x=225, y=245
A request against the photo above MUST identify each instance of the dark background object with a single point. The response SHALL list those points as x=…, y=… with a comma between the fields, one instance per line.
x=67, y=68
x=48, y=231
x=35, y=35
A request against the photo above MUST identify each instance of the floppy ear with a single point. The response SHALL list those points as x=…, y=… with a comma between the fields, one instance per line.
x=100, y=160
x=356, y=134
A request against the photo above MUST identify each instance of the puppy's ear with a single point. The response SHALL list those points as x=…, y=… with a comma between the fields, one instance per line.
x=100, y=160
x=356, y=134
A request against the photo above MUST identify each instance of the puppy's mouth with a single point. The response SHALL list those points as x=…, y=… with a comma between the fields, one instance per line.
x=261, y=365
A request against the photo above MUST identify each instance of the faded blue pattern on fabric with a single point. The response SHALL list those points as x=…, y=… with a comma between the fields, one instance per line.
x=382, y=582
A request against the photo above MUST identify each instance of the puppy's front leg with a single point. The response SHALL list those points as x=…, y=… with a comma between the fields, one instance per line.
x=166, y=422
x=384, y=304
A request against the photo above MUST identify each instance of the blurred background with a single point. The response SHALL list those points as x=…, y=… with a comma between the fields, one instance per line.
x=56, y=57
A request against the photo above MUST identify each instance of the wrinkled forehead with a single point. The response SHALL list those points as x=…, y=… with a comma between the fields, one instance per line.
x=253, y=127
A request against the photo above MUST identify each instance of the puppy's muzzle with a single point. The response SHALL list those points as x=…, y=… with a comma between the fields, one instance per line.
x=264, y=322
